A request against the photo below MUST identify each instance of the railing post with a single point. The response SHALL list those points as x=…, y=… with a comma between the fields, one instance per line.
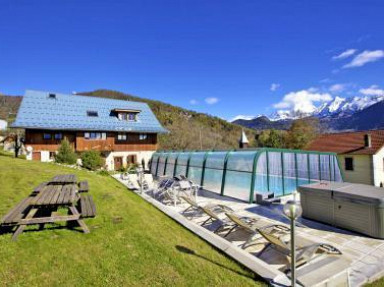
x=203, y=171
x=189, y=159
x=174, y=169
x=253, y=179
x=296, y=171
x=309, y=167
x=330, y=171
x=282, y=171
x=268, y=186
x=157, y=165
x=165, y=165
x=319, y=159
x=224, y=172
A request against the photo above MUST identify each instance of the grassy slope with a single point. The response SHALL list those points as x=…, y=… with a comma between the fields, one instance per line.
x=131, y=243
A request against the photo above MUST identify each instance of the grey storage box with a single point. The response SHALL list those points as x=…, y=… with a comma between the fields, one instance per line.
x=355, y=207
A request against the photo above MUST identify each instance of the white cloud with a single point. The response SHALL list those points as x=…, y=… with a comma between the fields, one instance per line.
x=372, y=91
x=337, y=88
x=274, y=87
x=364, y=58
x=211, y=100
x=302, y=101
x=345, y=54
x=193, y=102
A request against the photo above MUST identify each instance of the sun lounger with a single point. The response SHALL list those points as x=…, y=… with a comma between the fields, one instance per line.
x=304, y=253
x=213, y=214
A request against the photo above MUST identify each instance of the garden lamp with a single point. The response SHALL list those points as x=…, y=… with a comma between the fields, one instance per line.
x=292, y=209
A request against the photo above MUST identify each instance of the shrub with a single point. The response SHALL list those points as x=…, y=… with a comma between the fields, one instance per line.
x=65, y=153
x=92, y=160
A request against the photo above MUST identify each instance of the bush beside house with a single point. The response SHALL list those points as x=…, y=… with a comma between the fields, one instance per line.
x=65, y=153
x=92, y=160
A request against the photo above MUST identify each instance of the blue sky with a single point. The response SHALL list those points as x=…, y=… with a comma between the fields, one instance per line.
x=220, y=57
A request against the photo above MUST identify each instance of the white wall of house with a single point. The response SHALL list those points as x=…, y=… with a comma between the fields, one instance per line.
x=45, y=156
x=140, y=155
x=3, y=125
x=362, y=169
x=378, y=167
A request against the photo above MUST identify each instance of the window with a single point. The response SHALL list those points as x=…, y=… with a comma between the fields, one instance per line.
x=95, y=136
x=47, y=136
x=122, y=137
x=92, y=114
x=52, y=96
x=349, y=163
x=58, y=136
x=143, y=137
x=132, y=117
x=127, y=116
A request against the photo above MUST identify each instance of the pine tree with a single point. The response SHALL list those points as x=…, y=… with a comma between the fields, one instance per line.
x=65, y=153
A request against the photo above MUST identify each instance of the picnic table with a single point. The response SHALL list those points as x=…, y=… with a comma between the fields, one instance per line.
x=40, y=207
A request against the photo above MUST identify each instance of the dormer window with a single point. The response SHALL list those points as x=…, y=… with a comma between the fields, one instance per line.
x=127, y=115
x=92, y=114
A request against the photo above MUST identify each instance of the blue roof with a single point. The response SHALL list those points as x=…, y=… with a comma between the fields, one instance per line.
x=69, y=112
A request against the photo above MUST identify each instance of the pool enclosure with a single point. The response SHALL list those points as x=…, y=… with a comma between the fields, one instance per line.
x=241, y=174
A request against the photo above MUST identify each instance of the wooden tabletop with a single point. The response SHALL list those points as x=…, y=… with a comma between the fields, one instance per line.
x=63, y=178
x=56, y=195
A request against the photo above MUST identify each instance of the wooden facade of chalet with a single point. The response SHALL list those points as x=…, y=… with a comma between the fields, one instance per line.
x=39, y=141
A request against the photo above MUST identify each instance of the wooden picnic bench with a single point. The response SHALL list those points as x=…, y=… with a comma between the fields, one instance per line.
x=83, y=186
x=87, y=206
x=61, y=192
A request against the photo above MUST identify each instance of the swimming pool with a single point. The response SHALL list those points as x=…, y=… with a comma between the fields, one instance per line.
x=241, y=174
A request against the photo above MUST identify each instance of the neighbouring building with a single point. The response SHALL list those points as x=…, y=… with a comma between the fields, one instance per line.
x=361, y=154
x=124, y=132
x=3, y=125
x=243, y=141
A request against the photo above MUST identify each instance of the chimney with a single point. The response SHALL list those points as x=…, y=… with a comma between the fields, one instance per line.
x=367, y=141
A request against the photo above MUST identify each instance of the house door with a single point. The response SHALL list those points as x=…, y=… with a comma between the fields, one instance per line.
x=131, y=159
x=118, y=162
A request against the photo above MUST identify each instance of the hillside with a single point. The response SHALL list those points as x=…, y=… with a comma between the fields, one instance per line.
x=188, y=129
x=9, y=106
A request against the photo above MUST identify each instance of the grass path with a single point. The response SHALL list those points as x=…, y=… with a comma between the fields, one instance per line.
x=130, y=244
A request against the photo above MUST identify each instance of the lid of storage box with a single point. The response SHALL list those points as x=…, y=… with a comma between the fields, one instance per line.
x=360, y=193
x=325, y=188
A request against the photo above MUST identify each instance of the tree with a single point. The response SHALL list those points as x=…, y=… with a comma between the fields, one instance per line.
x=17, y=142
x=271, y=138
x=302, y=132
x=65, y=153
x=92, y=160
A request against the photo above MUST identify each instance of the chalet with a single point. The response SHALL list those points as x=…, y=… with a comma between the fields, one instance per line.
x=361, y=154
x=124, y=132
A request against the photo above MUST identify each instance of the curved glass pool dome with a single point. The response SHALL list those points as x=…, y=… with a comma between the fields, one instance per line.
x=242, y=173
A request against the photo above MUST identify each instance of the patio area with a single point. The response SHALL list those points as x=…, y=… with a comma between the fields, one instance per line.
x=362, y=258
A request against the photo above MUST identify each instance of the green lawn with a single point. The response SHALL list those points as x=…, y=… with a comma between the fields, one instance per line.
x=131, y=243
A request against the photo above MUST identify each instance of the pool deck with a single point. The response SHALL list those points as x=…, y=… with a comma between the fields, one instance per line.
x=362, y=258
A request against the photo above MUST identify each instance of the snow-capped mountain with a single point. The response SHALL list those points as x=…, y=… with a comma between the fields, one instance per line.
x=338, y=107
x=337, y=114
x=342, y=107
